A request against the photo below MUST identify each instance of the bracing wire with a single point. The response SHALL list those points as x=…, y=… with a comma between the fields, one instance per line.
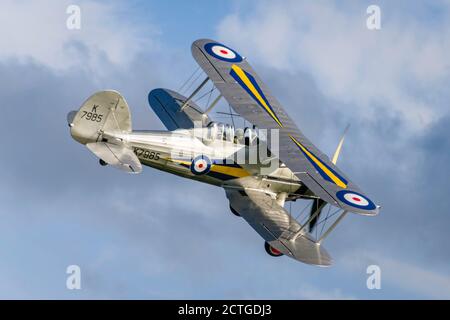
x=205, y=94
x=303, y=211
x=231, y=115
x=323, y=222
x=193, y=81
x=209, y=98
x=227, y=114
x=188, y=79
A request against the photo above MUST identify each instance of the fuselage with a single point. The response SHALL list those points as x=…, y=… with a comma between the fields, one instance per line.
x=221, y=162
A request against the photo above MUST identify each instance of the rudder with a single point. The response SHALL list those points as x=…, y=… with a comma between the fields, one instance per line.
x=104, y=111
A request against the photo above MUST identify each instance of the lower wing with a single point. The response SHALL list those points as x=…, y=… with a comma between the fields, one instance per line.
x=276, y=226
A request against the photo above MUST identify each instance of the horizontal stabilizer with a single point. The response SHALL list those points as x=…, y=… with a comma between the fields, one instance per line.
x=120, y=157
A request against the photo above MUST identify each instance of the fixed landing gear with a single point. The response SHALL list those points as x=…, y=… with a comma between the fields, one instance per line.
x=272, y=251
x=102, y=162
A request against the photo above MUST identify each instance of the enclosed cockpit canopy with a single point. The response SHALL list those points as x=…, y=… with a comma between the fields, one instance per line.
x=220, y=131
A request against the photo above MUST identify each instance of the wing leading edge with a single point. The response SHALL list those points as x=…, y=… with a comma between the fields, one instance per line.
x=249, y=96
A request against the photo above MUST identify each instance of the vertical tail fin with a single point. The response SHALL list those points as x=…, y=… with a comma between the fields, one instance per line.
x=103, y=114
x=104, y=111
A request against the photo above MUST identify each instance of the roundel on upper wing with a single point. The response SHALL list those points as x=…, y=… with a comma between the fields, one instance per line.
x=221, y=52
x=355, y=199
x=200, y=165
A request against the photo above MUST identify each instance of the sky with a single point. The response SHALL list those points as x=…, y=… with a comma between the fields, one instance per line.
x=158, y=236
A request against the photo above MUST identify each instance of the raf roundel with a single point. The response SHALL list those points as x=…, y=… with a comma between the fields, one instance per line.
x=221, y=52
x=200, y=165
x=355, y=199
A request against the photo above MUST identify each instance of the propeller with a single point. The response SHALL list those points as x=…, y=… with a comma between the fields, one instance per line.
x=318, y=204
x=339, y=147
x=316, y=209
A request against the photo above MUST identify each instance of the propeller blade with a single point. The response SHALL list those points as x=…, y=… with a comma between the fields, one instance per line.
x=339, y=147
x=318, y=204
x=316, y=209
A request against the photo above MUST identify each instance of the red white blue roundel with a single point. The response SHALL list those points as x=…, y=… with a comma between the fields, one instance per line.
x=355, y=199
x=221, y=52
x=200, y=165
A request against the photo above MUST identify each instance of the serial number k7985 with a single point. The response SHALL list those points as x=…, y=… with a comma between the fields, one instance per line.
x=146, y=154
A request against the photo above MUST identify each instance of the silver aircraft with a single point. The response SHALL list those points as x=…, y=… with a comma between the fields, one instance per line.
x=257, y=184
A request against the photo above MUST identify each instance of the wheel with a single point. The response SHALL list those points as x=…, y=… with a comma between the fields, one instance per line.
x=234, y=212
x=102, y=162
x=272, y=251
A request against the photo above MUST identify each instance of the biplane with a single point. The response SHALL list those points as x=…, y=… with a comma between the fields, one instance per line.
x=217, y=153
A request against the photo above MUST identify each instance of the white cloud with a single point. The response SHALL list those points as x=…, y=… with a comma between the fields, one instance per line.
x=349, y=62
x=416, y=279
x=36, y=31
x=408, y=277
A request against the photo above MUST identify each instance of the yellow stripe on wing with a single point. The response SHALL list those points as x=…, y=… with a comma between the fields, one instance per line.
x=319, y=163
x=241, y=74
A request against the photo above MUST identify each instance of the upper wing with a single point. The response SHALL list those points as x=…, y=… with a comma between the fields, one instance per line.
x=167, y=104
x=249, y=97
x=276, y=226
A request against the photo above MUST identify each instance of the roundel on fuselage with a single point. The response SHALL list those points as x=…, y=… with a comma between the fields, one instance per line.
x=200, y=165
